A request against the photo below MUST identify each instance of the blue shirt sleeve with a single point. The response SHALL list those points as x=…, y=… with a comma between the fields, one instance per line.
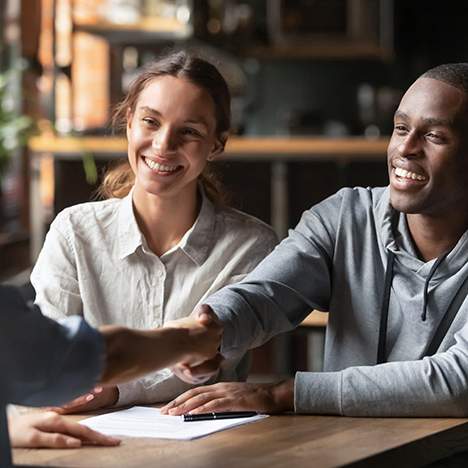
x=43, y=362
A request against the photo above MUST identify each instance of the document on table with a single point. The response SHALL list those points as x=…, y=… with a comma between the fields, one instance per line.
x=141, y=421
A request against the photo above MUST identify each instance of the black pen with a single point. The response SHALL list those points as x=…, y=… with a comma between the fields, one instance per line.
x=214, y=416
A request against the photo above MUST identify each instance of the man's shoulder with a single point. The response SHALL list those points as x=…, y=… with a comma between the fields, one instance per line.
x=355, y=199
x=363, y=195
x=355, y=205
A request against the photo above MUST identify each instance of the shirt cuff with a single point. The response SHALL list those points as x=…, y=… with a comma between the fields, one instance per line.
x=144, y=390
x=318, y=392
x=86, y=356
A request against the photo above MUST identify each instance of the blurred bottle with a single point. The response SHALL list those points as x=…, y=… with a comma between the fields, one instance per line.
x=122, y=11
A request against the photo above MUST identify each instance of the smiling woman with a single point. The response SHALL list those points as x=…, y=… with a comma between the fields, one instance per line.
x=205, y=85
x=162, y=241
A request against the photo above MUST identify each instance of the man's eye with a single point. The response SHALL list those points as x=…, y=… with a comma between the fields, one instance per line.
x=435, y=137
x=400, y=129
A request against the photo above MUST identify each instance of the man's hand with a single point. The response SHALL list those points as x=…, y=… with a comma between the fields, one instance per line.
x=49, y=429
x=234, y=396
x=99, y=397
x=203, y=361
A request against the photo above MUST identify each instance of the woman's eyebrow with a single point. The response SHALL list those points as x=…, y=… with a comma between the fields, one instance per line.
x=197, y=121
x=150, y=110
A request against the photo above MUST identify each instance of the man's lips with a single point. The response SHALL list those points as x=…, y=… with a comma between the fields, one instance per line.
x=410, y=175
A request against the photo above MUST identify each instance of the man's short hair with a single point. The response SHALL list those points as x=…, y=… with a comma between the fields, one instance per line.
x=455, y=74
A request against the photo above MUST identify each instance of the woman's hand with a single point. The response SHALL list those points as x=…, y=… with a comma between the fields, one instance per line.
x=234, y=396
x=49, y=429
x=198, y=374
x=99, y=397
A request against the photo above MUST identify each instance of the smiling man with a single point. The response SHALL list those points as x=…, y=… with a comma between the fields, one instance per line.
x=389, y=264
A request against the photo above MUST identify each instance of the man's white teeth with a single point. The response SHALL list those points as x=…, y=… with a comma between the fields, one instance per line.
x=407, y=174
x=159, y=167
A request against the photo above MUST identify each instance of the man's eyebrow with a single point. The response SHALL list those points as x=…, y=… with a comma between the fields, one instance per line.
x=439, y=122
x=433, y=121
x=400, y=114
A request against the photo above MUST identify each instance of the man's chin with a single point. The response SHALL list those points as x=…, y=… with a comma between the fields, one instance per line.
x=404, y=204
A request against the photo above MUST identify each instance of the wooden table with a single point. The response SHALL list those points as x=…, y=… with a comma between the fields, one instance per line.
x=280, y=441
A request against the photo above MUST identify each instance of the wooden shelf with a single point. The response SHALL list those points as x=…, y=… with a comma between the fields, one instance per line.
x=237, y=147
x=321, y=51
x=141, y=31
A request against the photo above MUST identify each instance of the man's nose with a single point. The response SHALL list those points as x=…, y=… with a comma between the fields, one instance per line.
x=410, y=145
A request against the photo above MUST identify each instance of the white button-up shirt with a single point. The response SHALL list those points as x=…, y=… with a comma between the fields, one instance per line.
x=95, y=262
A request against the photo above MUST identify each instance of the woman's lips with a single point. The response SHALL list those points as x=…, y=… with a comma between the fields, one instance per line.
x=160, y=168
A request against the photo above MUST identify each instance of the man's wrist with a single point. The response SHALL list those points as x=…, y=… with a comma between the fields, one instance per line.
x=283, y=395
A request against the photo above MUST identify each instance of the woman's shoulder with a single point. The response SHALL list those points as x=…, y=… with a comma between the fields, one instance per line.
x=241, y=224
x=87, y=215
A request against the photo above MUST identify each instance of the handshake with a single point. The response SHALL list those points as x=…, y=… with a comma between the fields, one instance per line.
x=190, y=345
x=204, y=339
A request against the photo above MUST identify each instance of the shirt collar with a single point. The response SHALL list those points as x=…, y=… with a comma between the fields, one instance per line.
x=197, y=241
x=129, y=234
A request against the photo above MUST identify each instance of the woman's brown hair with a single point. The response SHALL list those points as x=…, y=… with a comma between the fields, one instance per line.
x=119, y=180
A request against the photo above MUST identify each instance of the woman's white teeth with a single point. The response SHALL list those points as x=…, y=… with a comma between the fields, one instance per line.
x=408, y=174
x=159, y=167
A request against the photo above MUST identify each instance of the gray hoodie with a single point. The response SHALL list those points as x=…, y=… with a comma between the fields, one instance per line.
x=336, y=260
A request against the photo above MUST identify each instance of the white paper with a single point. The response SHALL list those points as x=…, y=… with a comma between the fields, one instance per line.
x=141, y=421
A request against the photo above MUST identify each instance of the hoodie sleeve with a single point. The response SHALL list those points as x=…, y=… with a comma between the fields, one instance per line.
x=284, y=288
x=435, y=386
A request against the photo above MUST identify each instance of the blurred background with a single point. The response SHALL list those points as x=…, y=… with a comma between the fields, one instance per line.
x=314, y=84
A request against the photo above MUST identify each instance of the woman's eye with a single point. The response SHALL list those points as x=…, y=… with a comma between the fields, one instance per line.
x=150, y=122
x=190, y=132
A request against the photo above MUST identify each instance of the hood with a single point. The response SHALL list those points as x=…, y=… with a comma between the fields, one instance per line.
x=395, y=237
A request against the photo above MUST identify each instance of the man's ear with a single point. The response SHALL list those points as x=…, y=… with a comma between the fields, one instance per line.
x=218, y=147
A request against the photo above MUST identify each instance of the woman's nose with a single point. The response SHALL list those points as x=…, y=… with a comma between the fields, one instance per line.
x=164, y=142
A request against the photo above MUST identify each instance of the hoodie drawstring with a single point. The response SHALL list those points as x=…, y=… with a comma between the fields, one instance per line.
x=381, y=351
x=426, y=284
